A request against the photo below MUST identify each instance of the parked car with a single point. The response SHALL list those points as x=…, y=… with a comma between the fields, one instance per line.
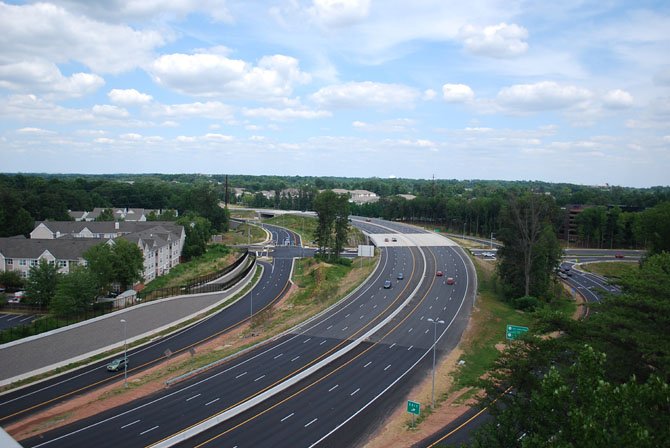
x=387, y=284
x=450, y=281
x=400, y=276
x=563, y=275
x=17, y=297
x=439, y=273
x=117, y=364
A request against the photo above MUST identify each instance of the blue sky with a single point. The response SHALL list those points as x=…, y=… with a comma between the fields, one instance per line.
x=572, y=91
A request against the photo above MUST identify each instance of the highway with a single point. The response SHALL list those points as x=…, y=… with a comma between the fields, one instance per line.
x=242, y=378
x=273, y=283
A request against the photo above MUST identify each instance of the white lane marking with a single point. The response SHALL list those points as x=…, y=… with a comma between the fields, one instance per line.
x=130, y=424
x=430, y=307
x=311, y=422
x=307, y=340
x=194, y=396
x=374, y=307
x=345, y=328
x=436, y=298
x=387, y=367
x=410, y=347
x=347, y=315
x=410, y=330
x=392, y=345
x=288, y=416
x=362, y=316
x=259, y=378
x=354, y=392
x=323, y=342
x=370, y=362
x=148, y=430
x=240, y=375
x=279, y=355
x=421, y=318
x=211, y=402
x=26, y=318
x=295, y=358
x=445, y=308
x=426, y=331
x=361, y=306
x=333, y=388
x=329, y=327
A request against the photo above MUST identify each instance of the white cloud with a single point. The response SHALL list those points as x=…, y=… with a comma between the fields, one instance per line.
x=131, y=136
x=128, y=97
x=617, y=99
x=286, y=114
x=104, y=140
x=133, y=10
x=429, y=94
x=457, y=93
x=545, y=95
x=48, y=32
x=212, y=75
x=219, y=137
x=45, y=77
x=34, y=131
x=497, y=41
x=109, y=111
x=210, y=109
x=386, y=126
x=365, y=95
x=334, y=13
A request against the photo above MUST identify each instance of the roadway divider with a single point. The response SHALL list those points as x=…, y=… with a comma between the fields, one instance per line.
x=230, y=413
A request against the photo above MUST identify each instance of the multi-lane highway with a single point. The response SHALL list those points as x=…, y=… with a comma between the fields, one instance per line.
x=272, y=285
x=390, y=350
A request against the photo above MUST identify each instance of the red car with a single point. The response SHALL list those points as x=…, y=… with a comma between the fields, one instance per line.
x=439, y=273
x=450, y=281
x=618, y=255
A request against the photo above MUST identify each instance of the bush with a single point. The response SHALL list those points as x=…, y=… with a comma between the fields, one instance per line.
x=526, y=303
x=345, y=261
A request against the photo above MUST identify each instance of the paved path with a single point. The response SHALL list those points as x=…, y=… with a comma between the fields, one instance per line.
x=30, y=356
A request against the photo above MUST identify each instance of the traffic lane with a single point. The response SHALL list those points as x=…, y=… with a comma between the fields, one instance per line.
x=381, y=226
x=231, y=375
x=453, y=434
x=283, y=236
x=16, y=404
x=11, y=320
x=396, y=354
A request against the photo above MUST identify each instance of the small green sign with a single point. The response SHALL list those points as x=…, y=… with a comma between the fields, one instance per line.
x=413, y=407
x=437, y=230
x=513, y=331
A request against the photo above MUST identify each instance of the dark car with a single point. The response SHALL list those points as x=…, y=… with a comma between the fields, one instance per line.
x=117, y=364
x=400, y=276
x=618, y=255
x=387, y=284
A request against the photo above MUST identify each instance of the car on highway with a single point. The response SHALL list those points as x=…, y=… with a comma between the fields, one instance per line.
x=450, y=281
x=387, y=284
x=439, y=273
x=117, y=364
x=563, y=275
x=400, y=276
x=394, y=239
x=618, y=255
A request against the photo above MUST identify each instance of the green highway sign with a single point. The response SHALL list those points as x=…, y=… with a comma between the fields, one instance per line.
x=513, y=331
x=413, y=407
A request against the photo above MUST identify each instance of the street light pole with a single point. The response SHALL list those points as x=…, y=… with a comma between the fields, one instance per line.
x=435, y=322
x=491, y=240
x=125, y=353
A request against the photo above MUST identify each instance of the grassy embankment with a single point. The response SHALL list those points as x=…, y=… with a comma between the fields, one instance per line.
x=612, y=271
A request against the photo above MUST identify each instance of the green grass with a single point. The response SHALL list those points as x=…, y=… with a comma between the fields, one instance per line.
x=610, y=270
x=241, y=235
x=306, y=227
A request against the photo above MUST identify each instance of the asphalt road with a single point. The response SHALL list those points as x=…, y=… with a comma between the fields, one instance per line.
x=155, y=417
x=19, y=403
x=10, y=320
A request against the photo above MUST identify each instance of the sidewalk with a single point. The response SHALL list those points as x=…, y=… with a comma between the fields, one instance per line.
x=37, y=354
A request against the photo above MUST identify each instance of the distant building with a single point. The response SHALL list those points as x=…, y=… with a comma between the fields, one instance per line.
x=409, y=197
x=358, y=196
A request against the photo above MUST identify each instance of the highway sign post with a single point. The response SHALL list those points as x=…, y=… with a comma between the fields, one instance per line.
x=514, y=331
x=413, y=408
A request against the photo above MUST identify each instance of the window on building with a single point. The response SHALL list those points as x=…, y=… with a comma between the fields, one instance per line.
x=24, y=274
x=62, y=263
x=10, y=261
x=23, y=262
x=33, y=262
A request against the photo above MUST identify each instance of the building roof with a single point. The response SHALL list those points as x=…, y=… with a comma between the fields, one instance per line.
x=109, y=227
x=62, y=249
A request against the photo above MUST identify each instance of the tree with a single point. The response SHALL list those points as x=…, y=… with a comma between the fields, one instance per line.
x=11, y=280
x=99, y=259
x=655, y=224
x=531, y=250
x=333, y=215
x=577, y=406
x=106, y=215
x=75, y=293
x=198, y=232
x=42, y=282
x=127, y=263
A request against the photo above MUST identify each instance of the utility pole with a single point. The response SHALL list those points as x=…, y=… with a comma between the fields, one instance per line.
x=125, y=354
x=435, y=322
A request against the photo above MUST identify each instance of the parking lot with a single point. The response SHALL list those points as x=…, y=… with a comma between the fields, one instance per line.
x=8, y=320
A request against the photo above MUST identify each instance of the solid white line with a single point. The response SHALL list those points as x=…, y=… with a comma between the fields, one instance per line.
x=213, y=401
x=333, y=388
x=387, y=367
x=130, y=424
x=148, y=430
x=194, y=396
x=240, y=375
x=260, y=377
x=311, y=422
x=354, y=392
x=288, y=416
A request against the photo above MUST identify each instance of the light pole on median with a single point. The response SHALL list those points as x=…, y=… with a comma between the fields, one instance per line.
x=435, y=322
x=492, y=240
x=125, y=353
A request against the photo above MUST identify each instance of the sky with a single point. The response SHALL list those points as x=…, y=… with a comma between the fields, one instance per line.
x=573, y=91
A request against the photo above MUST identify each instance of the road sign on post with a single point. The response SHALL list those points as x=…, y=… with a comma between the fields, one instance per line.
x=413, y=407
x=513, y=331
